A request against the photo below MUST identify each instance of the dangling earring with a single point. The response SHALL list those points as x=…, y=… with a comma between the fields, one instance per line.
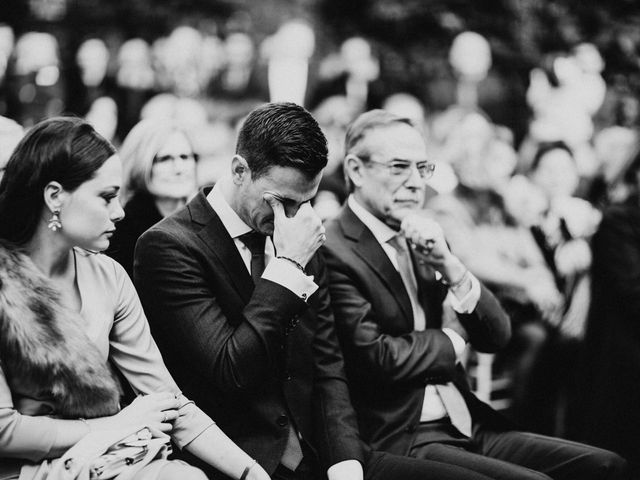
x=54, y=222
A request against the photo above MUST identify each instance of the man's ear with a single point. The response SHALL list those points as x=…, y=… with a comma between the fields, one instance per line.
x=54, y=195
x=239, y=169
x=353, y=169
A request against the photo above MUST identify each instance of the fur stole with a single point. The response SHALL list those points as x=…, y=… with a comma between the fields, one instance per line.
x=43, y=346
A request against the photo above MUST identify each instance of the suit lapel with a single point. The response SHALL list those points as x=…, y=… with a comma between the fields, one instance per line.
x=367, y=247
x=222, y=247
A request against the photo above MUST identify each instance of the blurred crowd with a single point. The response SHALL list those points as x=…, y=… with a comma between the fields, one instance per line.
x=521, y=216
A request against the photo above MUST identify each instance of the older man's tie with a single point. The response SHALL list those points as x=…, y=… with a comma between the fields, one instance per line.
x=451, y=397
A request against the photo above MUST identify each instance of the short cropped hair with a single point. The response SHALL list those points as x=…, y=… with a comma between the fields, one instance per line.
x=367, y=121
x=282, y=134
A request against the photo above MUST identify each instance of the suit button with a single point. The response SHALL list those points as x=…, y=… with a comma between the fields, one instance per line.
x=282, y=421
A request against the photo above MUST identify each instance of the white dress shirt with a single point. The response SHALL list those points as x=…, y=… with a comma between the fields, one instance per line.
x=432, y=407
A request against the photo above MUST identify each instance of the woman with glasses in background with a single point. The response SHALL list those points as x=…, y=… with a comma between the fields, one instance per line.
x=159, y=178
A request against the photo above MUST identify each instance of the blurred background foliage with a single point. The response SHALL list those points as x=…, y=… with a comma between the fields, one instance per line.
x=410, y=37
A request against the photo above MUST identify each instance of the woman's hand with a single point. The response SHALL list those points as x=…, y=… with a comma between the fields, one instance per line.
x=157, y=410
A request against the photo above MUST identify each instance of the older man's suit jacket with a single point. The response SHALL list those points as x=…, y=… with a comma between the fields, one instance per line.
x=388, y=362
x=254, y=359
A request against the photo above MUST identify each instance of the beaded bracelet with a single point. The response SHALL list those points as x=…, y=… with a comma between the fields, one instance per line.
x=245, y=473
x=298, y=266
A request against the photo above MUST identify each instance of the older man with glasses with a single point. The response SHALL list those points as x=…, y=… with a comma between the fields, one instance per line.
x=405, y=308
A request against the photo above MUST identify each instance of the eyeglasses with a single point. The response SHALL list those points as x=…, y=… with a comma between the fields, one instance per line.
x=185, y=157
x=402, y=168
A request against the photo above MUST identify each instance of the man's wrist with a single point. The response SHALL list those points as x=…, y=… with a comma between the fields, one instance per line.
x=298, y=265
x=454, y=272
x=455, y=285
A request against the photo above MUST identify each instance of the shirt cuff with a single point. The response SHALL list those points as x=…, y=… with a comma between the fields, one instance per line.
x=345, y=470
x=285, y=274
x=459, y=345
x=191, y=422
x=469, y=302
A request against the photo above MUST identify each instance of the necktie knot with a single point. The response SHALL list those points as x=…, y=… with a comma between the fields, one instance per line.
x=399, y=243
x=254, y=241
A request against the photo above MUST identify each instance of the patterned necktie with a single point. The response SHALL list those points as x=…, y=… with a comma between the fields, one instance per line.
x=255, y=241
x=451, y=397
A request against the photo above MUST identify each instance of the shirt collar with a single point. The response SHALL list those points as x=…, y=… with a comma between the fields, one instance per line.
x=229, y=218
x=381, y=231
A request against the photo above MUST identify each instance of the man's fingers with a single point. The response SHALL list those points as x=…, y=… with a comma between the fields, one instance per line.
x=306, y=208
x=276, y=204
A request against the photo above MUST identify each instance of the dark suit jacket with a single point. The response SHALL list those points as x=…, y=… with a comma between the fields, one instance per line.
x=388, y=363
x=228, y=346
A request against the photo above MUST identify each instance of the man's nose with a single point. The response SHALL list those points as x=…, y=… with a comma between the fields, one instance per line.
x=414, y=180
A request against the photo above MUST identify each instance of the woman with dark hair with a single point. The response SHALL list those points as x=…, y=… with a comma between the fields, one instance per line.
x=159, y=177
x=68, y=313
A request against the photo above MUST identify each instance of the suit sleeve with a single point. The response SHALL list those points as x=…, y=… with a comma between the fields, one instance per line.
x=412, y=356
x=184, y=310
x=488, y=326
x=334, y=417
x=415, y=356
